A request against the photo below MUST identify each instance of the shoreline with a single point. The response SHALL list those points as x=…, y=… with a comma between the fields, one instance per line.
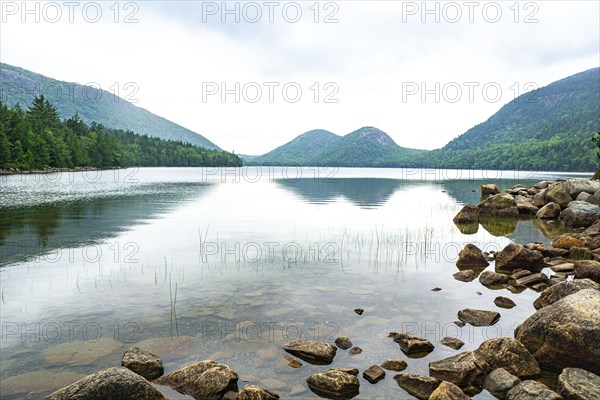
x=52, y=170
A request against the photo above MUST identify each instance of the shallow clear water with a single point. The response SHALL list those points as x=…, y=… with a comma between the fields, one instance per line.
x=227, y=264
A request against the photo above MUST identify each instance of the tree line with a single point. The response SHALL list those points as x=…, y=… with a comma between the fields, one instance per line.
x=38, y=139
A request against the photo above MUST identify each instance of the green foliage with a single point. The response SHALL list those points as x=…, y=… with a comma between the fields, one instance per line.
x=38, y=139
x=19, y=86
x=596, y=141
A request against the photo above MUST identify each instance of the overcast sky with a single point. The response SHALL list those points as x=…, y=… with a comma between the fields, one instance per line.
x=357, y=63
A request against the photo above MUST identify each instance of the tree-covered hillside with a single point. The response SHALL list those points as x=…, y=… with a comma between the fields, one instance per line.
x=20, y=86
x=38, y=139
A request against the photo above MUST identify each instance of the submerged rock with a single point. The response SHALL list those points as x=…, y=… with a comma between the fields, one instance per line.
x=419, y=386
x=509, y=354
x=578, y=384
x=394, y=365
x=532, y=390
x=112, y=383
x=516, y=256
x=566, y=333
x=203, y=380
x=311, y=351
x=336, y=383
x=143, y=363
x=478, y=317
x=471, y=257
x=464, y=369
x=448, y=391
x=499, y=382
x=355, y=350
x=252, y=392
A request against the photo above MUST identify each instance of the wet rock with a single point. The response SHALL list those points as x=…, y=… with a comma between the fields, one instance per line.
x=419, y=386
x=436, y=289
x=359, y=311
x=459, y=323
x=589, y=198
x=489, y=189
x=516, y=256
x=468, y=215
x=292, y=362
x=533, y=279
x=499, y=205
x=549, y=211
x=336, y=383
x=394, y=365
x=558, y=194
x=580, y=214
x=143, y=363
x=374, y=374
x=448, y=391
x=539, y=199
x=343, y=343
x=509, y=354
x=252, y=392
x=525, y=205
x=466, y=275
x=563, y=289
x=204, y=380
x=565, y=268
x=580, y=185
x=594, y=229
x=463, y=369
x=478, y=317
x=520, y=274
x=578, y=384
x=471, y=257
x=453, y=343
x=355, y=350
x=542, y=185
x=587, y=269
x=532, y=390
x=411, y=345
x=499, y=382
x=112, y=383
x=490, y=278
x=311, y=351
x=504, y=302
x=565, y=334
x=546, y=250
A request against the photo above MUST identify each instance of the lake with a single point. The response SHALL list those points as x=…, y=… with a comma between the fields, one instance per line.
x=227, y=264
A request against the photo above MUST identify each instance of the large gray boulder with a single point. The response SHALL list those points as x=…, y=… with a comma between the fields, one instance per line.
x=203, y=380
x=469, y=214
x=509, y=354
x=112, y=383
x=579, y=185
x=578, y=384
x=549, y=211
x=557, y=193
x=515, y=256
x=566, y=333
x=499, y=205
x=580, y=214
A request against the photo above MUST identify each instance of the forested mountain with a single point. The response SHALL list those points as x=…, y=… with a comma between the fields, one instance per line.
x=38, y=139
x=547, y=129
x=19, y=86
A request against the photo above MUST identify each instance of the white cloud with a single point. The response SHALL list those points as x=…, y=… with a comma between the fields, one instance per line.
x=369, y=54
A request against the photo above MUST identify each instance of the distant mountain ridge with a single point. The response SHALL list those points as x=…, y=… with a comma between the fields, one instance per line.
x=18, y=85
x=547, y=129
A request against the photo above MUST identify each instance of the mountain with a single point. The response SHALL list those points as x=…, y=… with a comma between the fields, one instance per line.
x=365, y=147
x=18, y=85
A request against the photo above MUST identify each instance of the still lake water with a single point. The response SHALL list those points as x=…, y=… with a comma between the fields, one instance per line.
x=227, y=264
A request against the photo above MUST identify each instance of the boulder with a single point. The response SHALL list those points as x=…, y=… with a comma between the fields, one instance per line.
x=394, y=365
x=509, y=354
x=252, y=392
x=499, y=382
x=143, y=363
x=471, y=257
x=112, y=383
x=453, y=343
x=594, y=229
x=567, y=241
x=499, y=205
x=311, y=351
x=580, y=214
x=469, y=214
x=566, y=333
x=466, y=275
x=558, y=194
x=202, y=380
x=549, y=211
x=539, y=199
x=448, y=391
x=336, y=383
x=547, y=251
x=525, y=205
x=532, y=390
x=355, y=350
x=578, y=384
x=563, y=289
x=516, y=256
x=590, y=198
x=504, y=302
x=411, y=345
x=542, y=185
x=419, y=386
x=533, y=279
x=579, y=185
x=478, y=317
x=464, y=369
x=490, y=278
x=374, y=374
x=489, y=189
x=587, y=269
x=343, y=343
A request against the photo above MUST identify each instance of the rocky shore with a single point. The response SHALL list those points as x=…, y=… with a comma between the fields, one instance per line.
x=562, y=337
